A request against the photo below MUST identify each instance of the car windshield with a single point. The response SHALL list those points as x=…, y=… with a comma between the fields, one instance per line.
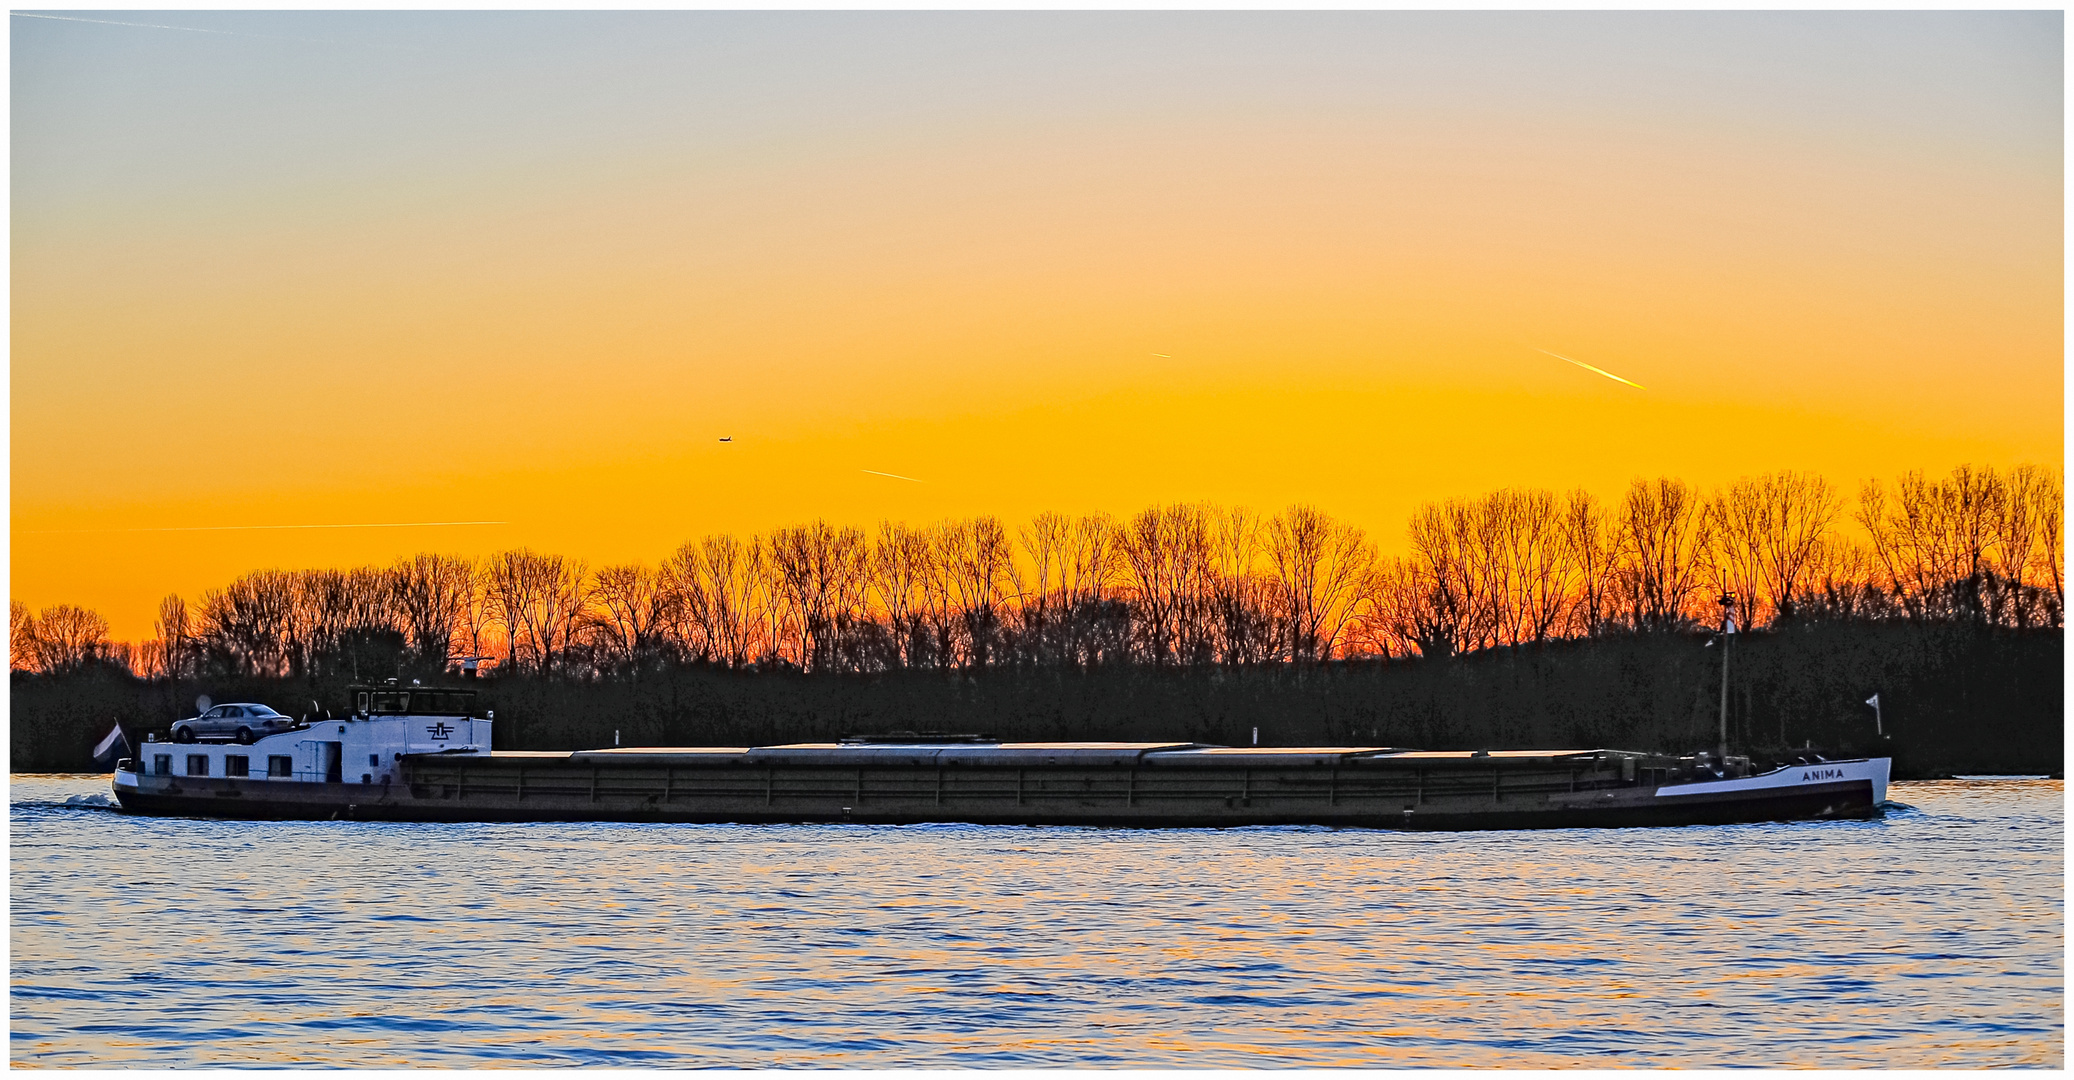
x=260, y=710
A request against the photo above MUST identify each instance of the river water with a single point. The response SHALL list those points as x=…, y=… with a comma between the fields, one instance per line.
x=1932, y=937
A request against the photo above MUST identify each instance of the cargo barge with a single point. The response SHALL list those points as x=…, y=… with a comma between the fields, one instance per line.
x=421, y=754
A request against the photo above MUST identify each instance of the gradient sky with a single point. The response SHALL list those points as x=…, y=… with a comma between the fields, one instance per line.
x=325, y=268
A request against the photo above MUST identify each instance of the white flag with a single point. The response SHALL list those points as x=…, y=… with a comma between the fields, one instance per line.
x=1873, y=701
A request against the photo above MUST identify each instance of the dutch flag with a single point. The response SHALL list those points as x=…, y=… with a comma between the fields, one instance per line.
x=111, y=748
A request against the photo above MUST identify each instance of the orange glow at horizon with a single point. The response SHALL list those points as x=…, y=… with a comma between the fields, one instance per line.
x=1352, y=308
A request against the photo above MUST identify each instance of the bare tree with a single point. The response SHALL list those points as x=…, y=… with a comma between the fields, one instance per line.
x=900, y=571
x=148, y=659
x=1738, y=521
x=68, y=638
x=565, y=606
x=1408, y=609
x=978, y=565
x=175, y=635
x=1537, y=566
x=2052, y=544
x=1045, y=540
x=1594, y=552
x=1450, y=578
x=1066, y=613
x=719, y=583
x=2016, y=580
x=819, y=571
x=1242, y=598
x=1663, y=532
x=1319, y=566
x=1842, y=582
x=1166, y=555
x=21, y=637
x=432, y=595
x=250, y=626
x=540, y=600
x=1800, y=508
x=632, y=611
x=1935, y=539
x=1766, y=537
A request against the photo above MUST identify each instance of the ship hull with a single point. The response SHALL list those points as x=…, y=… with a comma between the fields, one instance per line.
x=1443, y=795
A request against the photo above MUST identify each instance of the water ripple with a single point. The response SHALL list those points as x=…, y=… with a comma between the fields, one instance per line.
x=1932, y=937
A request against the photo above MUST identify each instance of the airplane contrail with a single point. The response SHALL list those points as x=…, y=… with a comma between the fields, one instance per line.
x=231, y=528
x=1588, y=367
x=195, y=30
x=895, y=476
x=144, y=25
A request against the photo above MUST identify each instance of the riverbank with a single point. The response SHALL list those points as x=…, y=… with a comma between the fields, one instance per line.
x=1957, y=700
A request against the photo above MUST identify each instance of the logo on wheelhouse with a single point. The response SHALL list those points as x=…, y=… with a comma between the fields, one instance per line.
x=441, y=731
x=1821, y=774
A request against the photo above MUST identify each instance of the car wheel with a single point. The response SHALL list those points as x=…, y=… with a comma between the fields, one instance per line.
x=185, y=734
x=245, y=735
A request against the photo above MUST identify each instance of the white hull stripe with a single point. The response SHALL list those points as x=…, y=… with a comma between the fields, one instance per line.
x=1870, y=770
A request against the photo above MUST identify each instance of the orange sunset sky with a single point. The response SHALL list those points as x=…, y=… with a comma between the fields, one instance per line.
x=528, y=268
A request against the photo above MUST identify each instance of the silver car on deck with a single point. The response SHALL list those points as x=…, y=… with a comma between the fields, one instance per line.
x=242, y=721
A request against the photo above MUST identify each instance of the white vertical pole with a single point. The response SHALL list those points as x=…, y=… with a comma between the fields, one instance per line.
x=1727, y=614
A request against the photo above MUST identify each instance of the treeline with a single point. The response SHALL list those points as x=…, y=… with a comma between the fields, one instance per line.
x=1958, y=698
x=1179, y=586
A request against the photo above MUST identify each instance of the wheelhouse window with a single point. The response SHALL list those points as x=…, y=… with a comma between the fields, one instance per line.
x=161, y=764
x=197, y=764
x=416, y=701
x=280, y=765
x=237, y=765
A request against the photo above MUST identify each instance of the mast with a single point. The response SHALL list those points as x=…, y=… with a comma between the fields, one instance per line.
x=1728, y=629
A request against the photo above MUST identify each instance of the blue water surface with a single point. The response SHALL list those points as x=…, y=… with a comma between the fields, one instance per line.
x=1931, y=937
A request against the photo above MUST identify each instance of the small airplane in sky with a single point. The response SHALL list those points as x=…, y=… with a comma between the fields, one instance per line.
x=727, y=438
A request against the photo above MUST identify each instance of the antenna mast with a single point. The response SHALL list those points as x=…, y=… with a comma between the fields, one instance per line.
x=1728, y=629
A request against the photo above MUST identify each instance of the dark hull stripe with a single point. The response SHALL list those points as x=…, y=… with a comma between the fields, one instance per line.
x=1615, y=808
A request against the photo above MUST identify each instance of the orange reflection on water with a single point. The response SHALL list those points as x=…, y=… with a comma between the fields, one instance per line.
x=1818, y=944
